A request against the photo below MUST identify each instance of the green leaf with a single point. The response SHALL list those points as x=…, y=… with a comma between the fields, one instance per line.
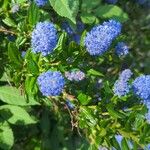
x=114, y=113
x=11, y=95
x=6, y=136
x=88, y=18
x=66, y=8
x=90, y=4
x=111, y=11
x=32, y=65
x=107, y=87
x=16, y=115
x=84, y=99
x=33, y=14
x=20, y=1
x=115, y=143
x=14, y=55
x=94, y=72
x=124, y=144
x=30, y=85
x=86, y=112
x=9, y=22
x=61, y=41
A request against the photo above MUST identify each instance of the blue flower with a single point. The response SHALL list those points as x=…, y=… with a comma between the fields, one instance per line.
x=121, y=49
x=125, y=75
x=40, y=2
x=75, y=75
x=147, y=103
x=99, y=39
x=44, y=38
x=141, y=87
x=147, y=147
x=119, y=138
x=67, y=28
x=121, y=86
x=51, y=83
x=112, y=1
x=74, y=34
x=23, y=53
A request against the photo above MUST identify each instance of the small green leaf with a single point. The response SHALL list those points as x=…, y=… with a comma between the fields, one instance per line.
x=86, y=112
x=6, y=136
x=33, y=14
x=124, y=144
x=16, y=115
x=20, y=1
x=114, y=113
x=14, y=55
x=107, y=87
x=9, y=22
x=32, y=65
x=30, y=85
x=66, y=8
x=111, y=11
x=84, y=99
x=94, y=72
x=88, y=18
x=89, y=5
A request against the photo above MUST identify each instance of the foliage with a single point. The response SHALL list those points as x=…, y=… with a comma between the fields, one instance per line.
x=87, y=114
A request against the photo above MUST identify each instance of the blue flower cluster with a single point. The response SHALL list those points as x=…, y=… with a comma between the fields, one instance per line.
x=121, y=86
x=141, y=87
x=44, y=38
x=74, y=34
x=119, y=139
x=147, y=147
x=40, y=2
x=99, y=39
x=51, y=83
x=125, y=75
x=75, y=75
x=147, y=103
x=121, y=49
x=111, y=1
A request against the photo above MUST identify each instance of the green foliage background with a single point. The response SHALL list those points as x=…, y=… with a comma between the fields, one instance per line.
x=29, y=121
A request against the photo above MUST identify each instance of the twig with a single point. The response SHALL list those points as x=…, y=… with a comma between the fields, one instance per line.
x=7, y=31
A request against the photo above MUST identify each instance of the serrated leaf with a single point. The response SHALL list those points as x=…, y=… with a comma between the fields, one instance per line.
x=11, y=95
x=66, y=8
x=111, y=11
x=16, y=115
x=6, y=136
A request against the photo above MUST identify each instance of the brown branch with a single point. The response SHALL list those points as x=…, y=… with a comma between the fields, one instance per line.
x=7, y=31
